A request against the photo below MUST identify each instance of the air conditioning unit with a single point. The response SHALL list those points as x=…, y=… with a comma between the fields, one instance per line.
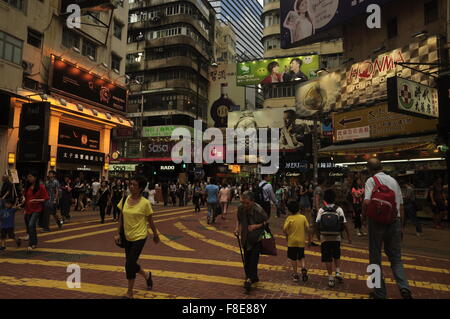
x=156, y=20
x=27, y=67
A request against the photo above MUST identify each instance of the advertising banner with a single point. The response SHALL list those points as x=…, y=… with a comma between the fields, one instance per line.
x=303, y=21
x=70, y=80
x=155, y=148
x=79, y=137
x=265, y=72
x=366, y=81
x=163, y=131
x=377, y=122
x=224, y=94
x=292, y=130
x=412, y=98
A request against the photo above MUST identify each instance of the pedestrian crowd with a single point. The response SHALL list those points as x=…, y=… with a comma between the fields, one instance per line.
x=372, y=199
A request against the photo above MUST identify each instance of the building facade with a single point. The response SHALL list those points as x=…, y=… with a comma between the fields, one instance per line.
x=76, y=74
x=244, y=17
x=170, y=51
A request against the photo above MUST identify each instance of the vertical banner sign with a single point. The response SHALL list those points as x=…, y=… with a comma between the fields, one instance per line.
x=33, y=132
x=412, y=98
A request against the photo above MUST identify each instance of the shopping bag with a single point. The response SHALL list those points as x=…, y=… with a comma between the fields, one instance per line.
x=268, y=245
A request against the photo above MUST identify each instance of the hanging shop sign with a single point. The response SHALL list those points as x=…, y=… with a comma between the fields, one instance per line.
x=79, y=137
x=122, y=167
x=76, y=156
x=163, y=131
x=290, y=69
x=70, y=80
x=365, y=81
x=412, y=98
x=33, y=132
x=377, y=122
x=167, y=168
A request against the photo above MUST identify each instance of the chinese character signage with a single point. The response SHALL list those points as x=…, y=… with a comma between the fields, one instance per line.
x=75, y=156
x=78, y=137
x=292, y=69
x=70, y=80
x=378, y=122
x=412, y=98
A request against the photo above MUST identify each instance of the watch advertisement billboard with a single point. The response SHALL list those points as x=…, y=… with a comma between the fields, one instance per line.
x=79, y=137
x=270, y=71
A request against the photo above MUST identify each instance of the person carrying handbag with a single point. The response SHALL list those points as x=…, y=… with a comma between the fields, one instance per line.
x=136, y=212
x=250, y=225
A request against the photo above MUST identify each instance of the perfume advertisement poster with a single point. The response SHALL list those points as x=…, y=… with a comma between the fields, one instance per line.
x=304, y=21
x=223, y=80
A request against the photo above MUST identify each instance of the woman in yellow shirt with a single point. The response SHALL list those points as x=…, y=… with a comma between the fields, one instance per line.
x=136, y=212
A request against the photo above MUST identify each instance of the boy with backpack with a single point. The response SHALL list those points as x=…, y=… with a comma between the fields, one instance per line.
x=295, y=228
x=330, y=224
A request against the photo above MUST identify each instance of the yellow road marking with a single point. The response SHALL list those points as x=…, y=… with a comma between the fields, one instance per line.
x=313, y=253
x=58, y=240
x=213, y=262
x=85, y=288
x=202, y=238
x=198, y=277
x=172, y=244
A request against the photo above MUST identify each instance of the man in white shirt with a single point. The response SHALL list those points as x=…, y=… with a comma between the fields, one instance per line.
x=268, y=194
x=389, y=236
x=95, y=189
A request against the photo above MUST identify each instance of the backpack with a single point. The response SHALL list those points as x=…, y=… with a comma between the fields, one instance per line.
x=382, y=208
x=259, y=194
x=330, y=222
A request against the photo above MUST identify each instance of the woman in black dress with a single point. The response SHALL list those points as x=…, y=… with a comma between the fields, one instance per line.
x=103, y=200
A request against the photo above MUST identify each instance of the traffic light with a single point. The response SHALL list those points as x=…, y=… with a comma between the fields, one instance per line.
x=184, y=165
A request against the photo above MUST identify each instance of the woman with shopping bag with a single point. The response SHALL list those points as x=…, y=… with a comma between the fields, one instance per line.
x=250, y=226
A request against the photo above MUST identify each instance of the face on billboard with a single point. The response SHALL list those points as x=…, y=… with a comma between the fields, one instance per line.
x=268, y=72
x=302, y=21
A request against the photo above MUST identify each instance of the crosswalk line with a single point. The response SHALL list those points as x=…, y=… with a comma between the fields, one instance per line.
x=174, y=245
x=351, y=259
x=236, y=264
x=61, y=239
x=270, y=286
x=85, y=288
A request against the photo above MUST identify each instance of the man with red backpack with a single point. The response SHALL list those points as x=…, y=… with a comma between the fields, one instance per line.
x=383, y=205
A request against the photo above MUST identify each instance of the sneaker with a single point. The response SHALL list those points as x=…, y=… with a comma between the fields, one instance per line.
x=60, y=224
x=27, y=237
x=248, y=285
x=359, y=234
x=406, y=294
x=18, y=242
x=339, y=277
x=295, y=277
x=331, y=282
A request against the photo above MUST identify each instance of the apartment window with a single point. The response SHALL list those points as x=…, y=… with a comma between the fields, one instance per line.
x=34, y=38
x=89, y=49
x=10, y=48
x=431, y=11
x=71, y=39
x=18, y=4
x=118, y=29
x=392, y=28
x=115, y=62
x=272, y=44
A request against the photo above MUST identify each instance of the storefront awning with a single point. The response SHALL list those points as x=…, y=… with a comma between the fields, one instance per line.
x=420, y=143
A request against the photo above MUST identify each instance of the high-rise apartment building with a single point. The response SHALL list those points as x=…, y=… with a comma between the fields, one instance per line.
x=170, y=50
x=76, y=74
x=245, y=18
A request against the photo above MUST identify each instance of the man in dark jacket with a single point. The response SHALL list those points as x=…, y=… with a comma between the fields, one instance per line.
x=251, y=220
